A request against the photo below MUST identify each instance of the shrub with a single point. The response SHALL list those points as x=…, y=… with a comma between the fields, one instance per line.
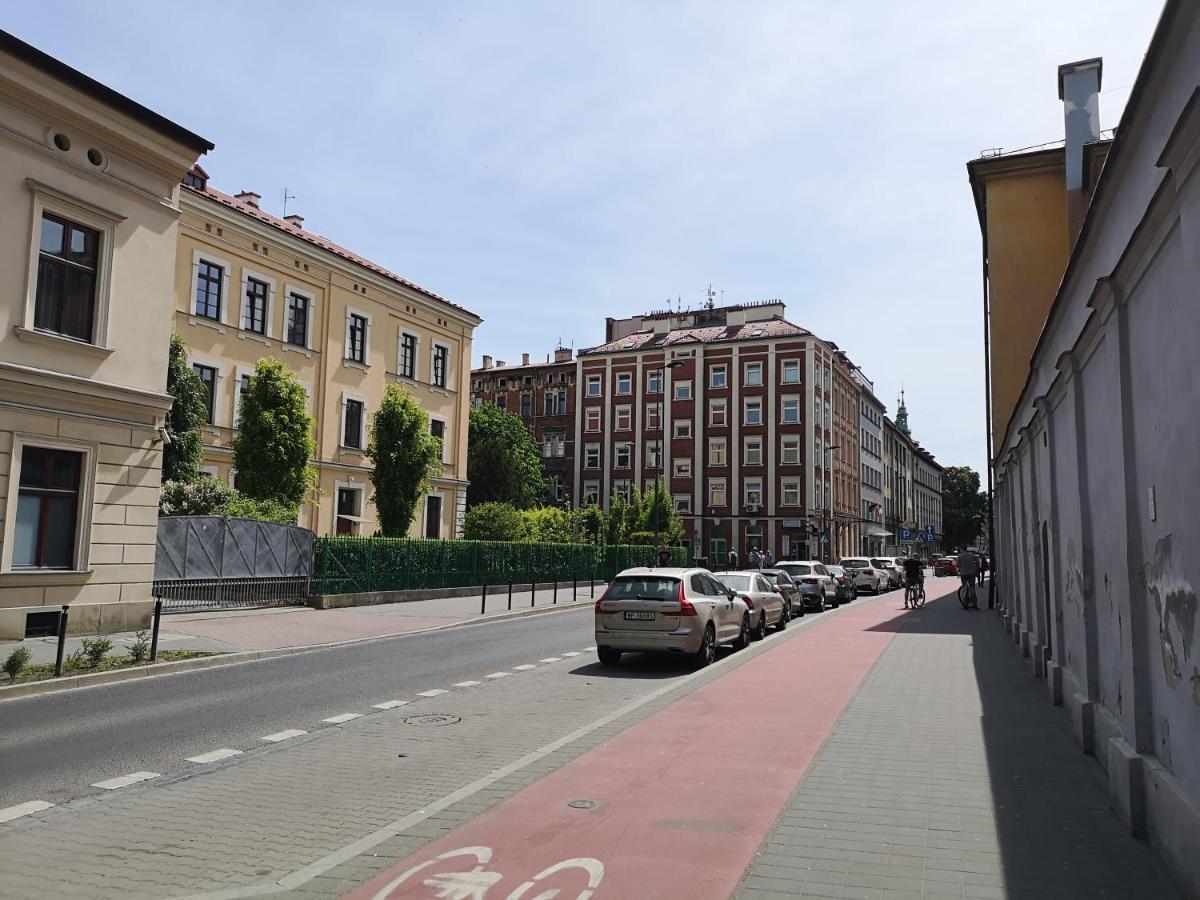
x=493, y=521
x=274, y=441
x=204, y=497
x=76, y=659
x=16, y=662
x=547, y=525
x=140, y=648
x=405, y=456
x=239, y=506
x=184, y=452
x=95, y=649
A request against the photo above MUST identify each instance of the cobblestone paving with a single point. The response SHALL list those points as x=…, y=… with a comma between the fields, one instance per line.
x=951, y=776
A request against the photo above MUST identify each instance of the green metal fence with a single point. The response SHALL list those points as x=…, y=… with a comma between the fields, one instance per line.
x=345, y=565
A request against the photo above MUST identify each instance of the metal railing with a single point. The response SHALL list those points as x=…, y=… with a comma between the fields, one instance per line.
x=231, y=593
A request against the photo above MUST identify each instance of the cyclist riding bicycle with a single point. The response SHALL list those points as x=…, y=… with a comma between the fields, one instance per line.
x=914, y=576
x=968, y=570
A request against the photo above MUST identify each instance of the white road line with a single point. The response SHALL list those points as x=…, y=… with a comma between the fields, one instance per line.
x=498, y=675
x=434, y=693
x=468, y=683
x=524, y=668
x=126, y=780
x=282, y=735
x=214, y=756
x=571, y=653
x=589, y=649
x=552, y=659
x=23, y=809
x=391, y=704
x=344, y=717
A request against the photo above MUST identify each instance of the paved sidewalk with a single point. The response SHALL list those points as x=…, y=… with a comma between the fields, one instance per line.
x=298, y=626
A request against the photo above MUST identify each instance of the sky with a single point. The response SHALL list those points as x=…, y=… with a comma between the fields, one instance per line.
x=548, y=164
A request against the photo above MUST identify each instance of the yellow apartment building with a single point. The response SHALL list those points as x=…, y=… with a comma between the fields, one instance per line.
x=89, y=212
x=249, y=285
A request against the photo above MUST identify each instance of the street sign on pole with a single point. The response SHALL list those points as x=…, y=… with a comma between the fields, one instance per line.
x=929, y=532
x=905, y=534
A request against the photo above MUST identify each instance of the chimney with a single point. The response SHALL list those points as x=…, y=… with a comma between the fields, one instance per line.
x=500, y=364
x=524, y=359
x=248, y=197
x=1079, y=90
x=294, y=219
x=563, y=354
x=487, y=361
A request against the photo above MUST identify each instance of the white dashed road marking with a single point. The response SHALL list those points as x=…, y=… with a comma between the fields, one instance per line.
x=436, y=692
x=498, y=675
x=283, y=735
x=125, y=780
x=214, y=756
x=589, y=649
x=468, y=683
x=552, y=659
x=391, y=704
x=344, y=717
x=23, y=809
x=570, y=653
x=524, y=668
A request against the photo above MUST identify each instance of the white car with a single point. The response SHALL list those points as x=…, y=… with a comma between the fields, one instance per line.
x=867, y=576
x=817, y=587
x=894, y=571
x=766, y=604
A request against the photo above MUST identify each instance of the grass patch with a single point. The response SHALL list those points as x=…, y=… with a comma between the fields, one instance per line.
x=78, y=664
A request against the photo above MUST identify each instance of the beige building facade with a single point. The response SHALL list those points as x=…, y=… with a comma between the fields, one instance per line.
x=250, y=285
x=89, y=188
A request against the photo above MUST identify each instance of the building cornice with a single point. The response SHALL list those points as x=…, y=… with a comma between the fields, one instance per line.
x=56, y=392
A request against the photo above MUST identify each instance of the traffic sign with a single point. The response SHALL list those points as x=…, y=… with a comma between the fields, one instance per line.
x=929, y=532
x=905, y=534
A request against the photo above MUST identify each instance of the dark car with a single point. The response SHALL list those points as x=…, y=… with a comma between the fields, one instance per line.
x=946, y=565
x=791, y=593
x=846, y=588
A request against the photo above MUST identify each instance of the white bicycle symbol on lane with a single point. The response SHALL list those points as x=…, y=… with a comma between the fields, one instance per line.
x=475, y=883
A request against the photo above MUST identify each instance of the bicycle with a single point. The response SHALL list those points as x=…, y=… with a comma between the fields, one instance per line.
x=914, y=594
x=967, y=596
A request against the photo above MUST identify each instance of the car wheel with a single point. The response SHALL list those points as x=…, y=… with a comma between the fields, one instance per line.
x=783, y=616
x=760, y=630
x=609, y=657
x=708, y=648
x=800, y=614
x=743, y=638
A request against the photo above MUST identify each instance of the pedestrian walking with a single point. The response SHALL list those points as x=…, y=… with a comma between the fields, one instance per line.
x=664, y=557
x=768, y=559
x=733, y=559
x=754, y=559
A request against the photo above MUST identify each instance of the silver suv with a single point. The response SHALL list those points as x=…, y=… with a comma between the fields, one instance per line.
x=684, y=611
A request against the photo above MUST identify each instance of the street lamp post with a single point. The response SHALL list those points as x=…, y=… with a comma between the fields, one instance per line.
x=829, y=501
x=662, y=386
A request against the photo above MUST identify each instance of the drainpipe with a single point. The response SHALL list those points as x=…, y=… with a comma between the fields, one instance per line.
x=987, y=406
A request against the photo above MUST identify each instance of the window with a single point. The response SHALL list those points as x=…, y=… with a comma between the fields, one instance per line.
x=562, y=401
x=594, y=386
x=356, y=338
x=194, y=179
x=752, y=455
x=683, y=468
x=682, y=428
x=753, y=412
x=591, y=456
x=654, y=381
x=653, y=417
x=502, y=401
x=623, y=455
x=622, y=489
x=753, y=374
x=433, y=516
x=683, y=390
x=502, y=383
x=791, y=410
x=437, y=428
x=718, y=412
x=254, y=309
x=297, y=320
x=526, y=405
x=210, y=278
x=591, y=493
x=791, y=492
x=243, y=388
x=753, y=491
x=407, y=364
x=717, y=453
x=718, y=377
x=716, y=551
x=560, y=445
x=791, y=371
x=653, y=454
x=716, y=492
x=624, y=384
x=47, y=519
x=558, y=489
x=352, y=424
x=683, y=502
x=550, y=404
x=624, y=418
x=441, y=368
x=208, y=378
x=527, y=381
x=68, y=261
x=591, y=419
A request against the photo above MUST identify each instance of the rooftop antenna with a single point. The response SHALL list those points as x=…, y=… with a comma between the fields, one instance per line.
x=708, y=297
x=286, y=198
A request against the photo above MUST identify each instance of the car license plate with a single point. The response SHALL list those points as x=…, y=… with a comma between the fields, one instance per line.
x=640, y=616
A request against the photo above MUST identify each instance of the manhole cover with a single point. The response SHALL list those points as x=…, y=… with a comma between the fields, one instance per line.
x=581, y=804
x=432, y=719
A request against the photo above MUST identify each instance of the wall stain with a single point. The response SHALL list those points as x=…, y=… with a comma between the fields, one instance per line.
x=1164, y=743
x=1196, y=685
x=1175, y=601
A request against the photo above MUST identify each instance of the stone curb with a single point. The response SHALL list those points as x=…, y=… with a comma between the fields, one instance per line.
x=73, y=682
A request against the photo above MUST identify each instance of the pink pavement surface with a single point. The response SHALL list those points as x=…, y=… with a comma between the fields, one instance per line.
x=683, y=798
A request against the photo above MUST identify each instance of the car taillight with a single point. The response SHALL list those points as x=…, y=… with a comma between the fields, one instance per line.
x=685, y=605
x=809, y=581
x=841, y=579
x=603, y=597
x=745, y=598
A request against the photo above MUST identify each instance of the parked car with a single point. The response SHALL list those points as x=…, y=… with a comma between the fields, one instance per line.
x=866, y=576
x=846, y=589
x=895, y=572
x=790, y=591
x=814, y=581
x=945, y=565
x=684, y=611
x=767, y=606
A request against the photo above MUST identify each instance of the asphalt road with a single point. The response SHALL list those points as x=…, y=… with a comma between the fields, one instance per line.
x=54, y=746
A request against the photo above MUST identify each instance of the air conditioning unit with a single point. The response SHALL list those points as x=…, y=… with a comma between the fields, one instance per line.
x=752, y=508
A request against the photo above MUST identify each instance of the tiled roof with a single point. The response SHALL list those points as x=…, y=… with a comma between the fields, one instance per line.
x=318, y=241
x=711, y=334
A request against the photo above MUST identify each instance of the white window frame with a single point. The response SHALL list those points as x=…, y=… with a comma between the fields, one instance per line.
x=718, y=404
x=588, y=450
x=591, y=494
x=87, y=490
x=625, y=378
x=362, y=426
x=681, y=468
x=434, y=346
x=793, y=399
x=268, y=313
x=239, y=372
x=723, y=371
x=445, y=435
x=684, y=386
x=590, y=414
x=683, y=503
x=654, y=455
x=681, y=428
x=310, y=296
x=718, y=446
x=441, y=497
x=416, y=360
x=715, y=484
x=218, y=381
x=653, y=411
x=361, y=490
x=622, y=488
x=752, y=445
x=626, y=448
x=789, y=366
x=226, y=268
x=105, y=222
x=594, y=381
x=749, y=488
x=346, y=358
x=749, y=367
x=623, y=410
x=787, y=486
x=746, y=405
x=654, y=381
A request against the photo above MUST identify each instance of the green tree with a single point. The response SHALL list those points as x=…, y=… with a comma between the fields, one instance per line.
x=493, y=522
x=659, y=514
x=184, y=449
x=406, y=457
x=547, y=525
x=964, y=506
x=614, y=522
x=587, y=525
x=503, y=462
x=274, y=442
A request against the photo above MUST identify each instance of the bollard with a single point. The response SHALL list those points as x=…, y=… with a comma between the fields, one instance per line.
x=62, y=640
x=483, y=600
x=510, y=594
x=593, y=589
x=533, y=595
x=574, y=588
x=154, y=635
x=556, y=591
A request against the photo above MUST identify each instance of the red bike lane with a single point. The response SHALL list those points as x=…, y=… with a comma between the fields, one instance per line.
x=678, y=804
